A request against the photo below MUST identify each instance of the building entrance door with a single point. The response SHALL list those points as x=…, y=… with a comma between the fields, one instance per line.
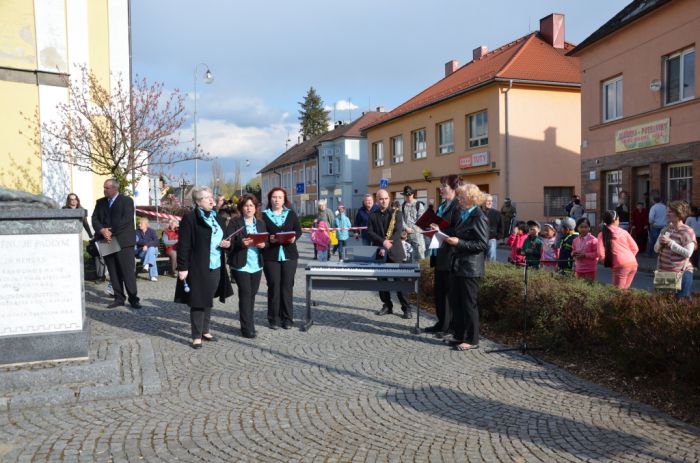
x=641, y=188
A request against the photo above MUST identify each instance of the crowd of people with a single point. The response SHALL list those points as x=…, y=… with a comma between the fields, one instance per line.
x=219, y=243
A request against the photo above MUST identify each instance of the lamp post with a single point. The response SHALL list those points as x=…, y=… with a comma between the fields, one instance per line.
x=247, y=164
x=208, y=79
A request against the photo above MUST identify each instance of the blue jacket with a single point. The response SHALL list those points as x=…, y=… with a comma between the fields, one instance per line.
x=362, y=218
x=149, y=238
x=342, y=221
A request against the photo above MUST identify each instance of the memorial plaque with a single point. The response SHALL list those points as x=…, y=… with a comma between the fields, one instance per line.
x=40, y=284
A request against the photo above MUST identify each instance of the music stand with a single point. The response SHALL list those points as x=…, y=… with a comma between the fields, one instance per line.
x=523, y=348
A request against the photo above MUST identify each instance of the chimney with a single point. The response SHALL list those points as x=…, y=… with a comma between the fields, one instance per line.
x=380, y=109
x=552, y=29
x=479, y=52
x=451, y=66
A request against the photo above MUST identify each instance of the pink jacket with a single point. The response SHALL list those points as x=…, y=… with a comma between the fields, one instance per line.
x=588, y=245
x=516, y=243
x=320, y=237
x=624, y=248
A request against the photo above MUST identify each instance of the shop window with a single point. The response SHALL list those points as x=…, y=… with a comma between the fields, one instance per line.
x=680, y=182
x=555, y=200
x=613, y=187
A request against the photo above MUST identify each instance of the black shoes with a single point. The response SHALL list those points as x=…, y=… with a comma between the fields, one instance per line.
x=136, y=305
x=274, y=327
x=249, y=334
x=408, y=313
x=287, y=325
x=384, y=310
x=432, y=329
x=115, y=304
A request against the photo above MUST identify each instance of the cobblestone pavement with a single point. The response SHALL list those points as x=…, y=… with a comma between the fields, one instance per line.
x=356, y=387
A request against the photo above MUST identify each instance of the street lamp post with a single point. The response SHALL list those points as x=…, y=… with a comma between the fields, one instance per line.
x=247, y=164
x=208, y=79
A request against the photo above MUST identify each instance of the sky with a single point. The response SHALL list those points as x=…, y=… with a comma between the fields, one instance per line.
x=358, y=55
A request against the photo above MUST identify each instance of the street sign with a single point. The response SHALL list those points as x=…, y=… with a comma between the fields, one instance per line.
x=300, y=188
x=383, y=183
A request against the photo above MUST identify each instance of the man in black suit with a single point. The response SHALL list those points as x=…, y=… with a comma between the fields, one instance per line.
x=379, y=223
x=114, y=218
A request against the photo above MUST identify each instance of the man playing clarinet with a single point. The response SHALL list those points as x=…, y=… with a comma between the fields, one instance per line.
x=384, y=230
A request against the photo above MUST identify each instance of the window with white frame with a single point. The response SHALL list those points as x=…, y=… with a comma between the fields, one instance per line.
x=397, y=149
x=680, y=76
x=612, y=99
x=613, y=186
x=680, y=182
x=478, y=129
x=555, y=200
x=330, y=165
x=446, y=140
x=378, y=154
x=418, y=144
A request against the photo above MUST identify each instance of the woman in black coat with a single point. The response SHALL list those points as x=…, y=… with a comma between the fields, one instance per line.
x=280, y=259
x=467, y=254
x=245, y=259
x=201, y=264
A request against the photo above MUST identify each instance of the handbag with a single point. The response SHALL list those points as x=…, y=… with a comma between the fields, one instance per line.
x=667, y=281
x=334, y=238
x=92, y=248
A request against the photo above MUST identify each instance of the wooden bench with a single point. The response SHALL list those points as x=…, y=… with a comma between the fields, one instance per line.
x=162, y=260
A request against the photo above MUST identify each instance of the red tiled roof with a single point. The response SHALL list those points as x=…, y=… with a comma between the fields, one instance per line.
x=352, y=129
x=528, y=58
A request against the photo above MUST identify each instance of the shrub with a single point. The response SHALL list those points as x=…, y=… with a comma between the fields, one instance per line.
x=307, y=221
x=645, y=334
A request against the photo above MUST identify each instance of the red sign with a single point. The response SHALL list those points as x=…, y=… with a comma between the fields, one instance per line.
x=474, y=160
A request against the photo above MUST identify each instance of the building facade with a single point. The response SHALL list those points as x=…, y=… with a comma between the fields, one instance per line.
x=640, y=112
x=43, y=42
x=295, y=170
x=343, y=164
x=507, y=121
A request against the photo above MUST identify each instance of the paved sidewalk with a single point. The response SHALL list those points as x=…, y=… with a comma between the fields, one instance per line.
x=356, y=387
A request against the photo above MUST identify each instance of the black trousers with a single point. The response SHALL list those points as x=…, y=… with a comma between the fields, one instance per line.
x=385, y=296
x=441, y=290
x=465, y=311
x=280, y=290
x=122, y=273
x=200, y=316
x=248, y=285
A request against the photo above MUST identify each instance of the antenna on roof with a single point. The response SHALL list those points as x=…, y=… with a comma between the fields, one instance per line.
x=350, y=109
x=529, y=27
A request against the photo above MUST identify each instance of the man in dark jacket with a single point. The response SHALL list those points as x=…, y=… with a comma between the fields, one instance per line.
x=495, y=227
x=114, y=219
x=384, y=230
x=362, y=218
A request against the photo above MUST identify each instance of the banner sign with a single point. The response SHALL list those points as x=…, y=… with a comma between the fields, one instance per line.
x=474, y=160
x=643, y=135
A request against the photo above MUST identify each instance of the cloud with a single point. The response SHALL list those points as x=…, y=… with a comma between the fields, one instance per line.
x=226, y=139
x=246, y=112
x=342, y=105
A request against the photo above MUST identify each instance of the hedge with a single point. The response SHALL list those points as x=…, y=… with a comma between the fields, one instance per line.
x=644, y=334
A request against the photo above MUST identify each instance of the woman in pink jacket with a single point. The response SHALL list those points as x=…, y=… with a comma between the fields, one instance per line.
x=585, y=250
x=617, y=249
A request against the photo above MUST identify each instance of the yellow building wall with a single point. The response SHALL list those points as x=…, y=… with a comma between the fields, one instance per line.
x=17, y=34
x=544, y=144
x=98, y=31
x=20, y=166
x=410, y=171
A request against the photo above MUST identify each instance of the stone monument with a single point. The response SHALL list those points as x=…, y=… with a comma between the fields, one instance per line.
x=42, y=298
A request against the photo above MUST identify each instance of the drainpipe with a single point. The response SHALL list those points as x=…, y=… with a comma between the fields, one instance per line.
x=507, y=153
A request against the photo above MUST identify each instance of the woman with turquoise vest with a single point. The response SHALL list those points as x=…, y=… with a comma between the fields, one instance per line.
x=280, y=258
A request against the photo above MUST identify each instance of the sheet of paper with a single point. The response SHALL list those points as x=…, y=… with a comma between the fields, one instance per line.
x=437, y=240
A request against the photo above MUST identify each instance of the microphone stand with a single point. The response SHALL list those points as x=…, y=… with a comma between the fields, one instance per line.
x=523, y=348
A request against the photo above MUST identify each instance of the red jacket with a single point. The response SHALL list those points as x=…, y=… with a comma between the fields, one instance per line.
x=516, y=243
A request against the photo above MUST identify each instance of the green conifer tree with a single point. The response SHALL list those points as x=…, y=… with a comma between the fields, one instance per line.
x=313, y=118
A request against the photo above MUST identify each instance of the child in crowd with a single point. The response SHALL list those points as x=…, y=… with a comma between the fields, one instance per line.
x=515, y=241
x=568, y=232
x=322, y=240
x=550, y=252
x=342, y=222
x=407, y=248
x=585, y=251
x=532, y=246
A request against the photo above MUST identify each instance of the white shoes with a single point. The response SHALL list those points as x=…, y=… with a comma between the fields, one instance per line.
x=145, y=267
x=154, y=279
x=109, y=290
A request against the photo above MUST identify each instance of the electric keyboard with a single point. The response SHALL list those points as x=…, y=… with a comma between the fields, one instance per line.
x=361, y=276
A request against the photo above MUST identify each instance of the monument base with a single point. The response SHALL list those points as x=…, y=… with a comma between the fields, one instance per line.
x=64, y=346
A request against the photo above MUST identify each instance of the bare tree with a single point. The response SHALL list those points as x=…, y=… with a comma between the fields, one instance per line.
x=237, y=178
x=119, y=132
